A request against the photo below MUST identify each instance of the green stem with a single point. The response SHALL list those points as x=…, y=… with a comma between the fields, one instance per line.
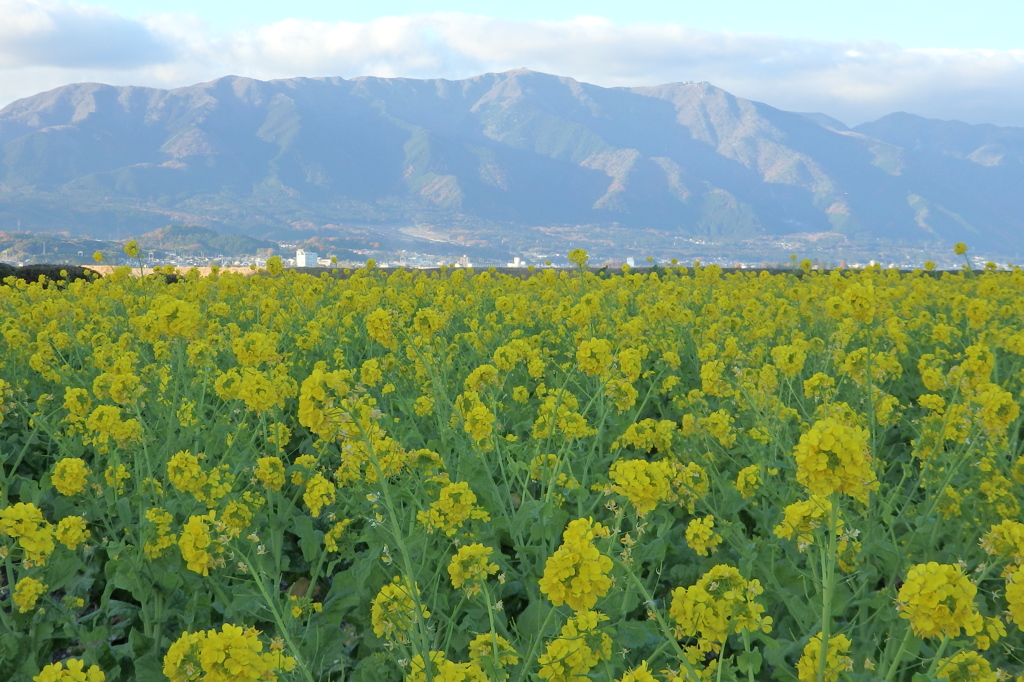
x=665, y=629
x=531, y=655
x=938, y=655
x=828, y=569
x=894, y=666
x=746, y=649
x=307, y=673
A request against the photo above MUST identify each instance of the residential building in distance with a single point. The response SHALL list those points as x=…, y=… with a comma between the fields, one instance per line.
x=306, y=259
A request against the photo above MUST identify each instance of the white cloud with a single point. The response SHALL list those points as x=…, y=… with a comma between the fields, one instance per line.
x=37, y=33
x=853, y=81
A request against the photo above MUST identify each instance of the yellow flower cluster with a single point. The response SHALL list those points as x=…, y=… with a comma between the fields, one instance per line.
x=1005, y=539
x=443, y=670
x=71, y=532
x=26, y=592
x=719, y=604
x=701, y=535
x=320, y=398
x=802, y=517
x=395, y=611
x=748, y=480
x=594, y=357
x=790, y=358
x=379, y=328
x=319, y=493
x=231, y=654
x=335, y=533
x=833, y=457
x=493, y=653
x=270, y=472
x=966, y=666
x=456, y=505
x=70, y=476
x=579, y=648
x=477, y=420
x=105, y=428
x=71, y=670
x=162, y=538
x=645, y=484
x=641, y=673
x=558, y=414
x=577, y=573
x=196, y=544
x=938, y=599
x=470, y=565
x=649, y=435
x=719, y=425
x=35, y=535
x=836, y=660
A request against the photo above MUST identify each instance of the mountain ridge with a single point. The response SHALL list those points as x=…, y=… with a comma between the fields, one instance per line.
x=496, y=157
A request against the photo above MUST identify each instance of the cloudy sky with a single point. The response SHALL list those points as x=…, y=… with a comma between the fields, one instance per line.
x=950, y=59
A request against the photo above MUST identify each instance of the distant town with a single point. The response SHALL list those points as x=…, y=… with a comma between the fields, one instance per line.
x=750, y=254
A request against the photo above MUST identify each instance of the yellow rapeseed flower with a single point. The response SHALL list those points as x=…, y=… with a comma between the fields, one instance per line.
x=701, y=535
x=270, y=472
x=26, y=592
x=456, y=504
x=70, y=670
x=966, y=666
x=470, y=567
x=645, y=484
x=394, y=610
x=35, y=535
x=230, y=654
x=938, y=599
x=833, y=457
x=719, y=604
x=70, y=476
x=443, y=670
x=577, y=573
x=836, y=662
x=319, y=493
x=581, y=645
x=72, y=531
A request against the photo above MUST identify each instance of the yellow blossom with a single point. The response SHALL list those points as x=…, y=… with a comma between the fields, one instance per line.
x=456, y=504
x=231, y=653
x=938, y=599
x=394, y=610
x=833, y=457
x=26, y=592
x=70, y=476
x=701, y=536
x=577, y=573
x=836, y=662
x=72, y=531
x=470, y=565
x=70, y=670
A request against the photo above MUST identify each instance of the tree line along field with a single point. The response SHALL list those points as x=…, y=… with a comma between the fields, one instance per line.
x=459, y=476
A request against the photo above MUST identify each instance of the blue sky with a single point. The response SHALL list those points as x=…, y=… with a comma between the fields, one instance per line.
x=991, y=24
x=856, y=61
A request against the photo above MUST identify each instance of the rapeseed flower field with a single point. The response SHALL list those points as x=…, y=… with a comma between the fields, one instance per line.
x=677, y=474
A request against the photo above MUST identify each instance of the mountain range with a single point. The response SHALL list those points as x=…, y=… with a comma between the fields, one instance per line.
x=501, y=159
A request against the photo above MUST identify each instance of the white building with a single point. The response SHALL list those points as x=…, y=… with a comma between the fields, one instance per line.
x=306, y=259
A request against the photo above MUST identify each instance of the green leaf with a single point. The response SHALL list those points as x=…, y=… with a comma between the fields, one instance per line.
x=310, y=539
x=749, y=661
x=638, y=634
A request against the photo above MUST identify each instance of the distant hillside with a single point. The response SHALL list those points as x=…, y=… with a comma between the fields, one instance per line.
x=193, y=240
x=498, y=159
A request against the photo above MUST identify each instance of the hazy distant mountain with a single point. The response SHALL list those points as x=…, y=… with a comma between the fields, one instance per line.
x=504, y=151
